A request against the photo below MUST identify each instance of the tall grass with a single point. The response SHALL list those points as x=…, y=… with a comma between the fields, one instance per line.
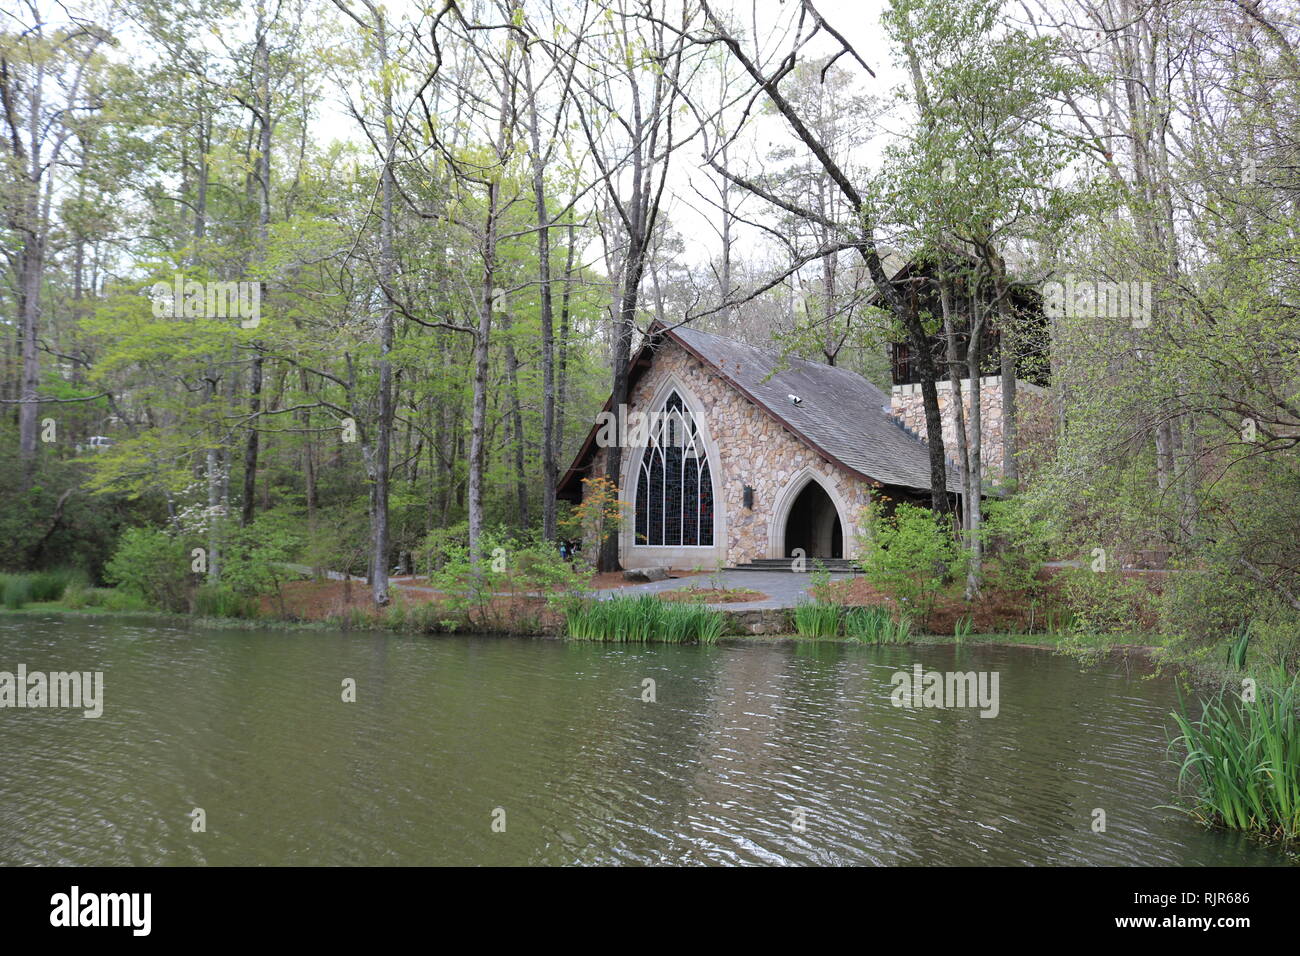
x=1243, y=759
x=818, y=619
x=875, y=625
x=38, y=587
x=639, y=620
x=215, y=600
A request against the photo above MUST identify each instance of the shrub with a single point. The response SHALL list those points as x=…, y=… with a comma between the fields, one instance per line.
x=439, y=542
x=78, y=594
x=488, y=596
x=116, y=599
x=1016, y=546
x=1104, y=602
x=911, y=555
x=339, y=540
x=254, y=557
x=152, y=565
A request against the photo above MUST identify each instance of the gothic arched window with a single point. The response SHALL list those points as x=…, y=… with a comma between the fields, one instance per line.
x=674, y=493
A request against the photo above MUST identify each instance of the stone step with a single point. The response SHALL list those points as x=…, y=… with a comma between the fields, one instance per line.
x=784, y=564
x=809, y=560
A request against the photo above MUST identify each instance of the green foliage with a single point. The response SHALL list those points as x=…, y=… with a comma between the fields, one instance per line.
x=17, y=590
x=117, y=600
x=78, y=595
x=1104, y=602
x=485, y=596
x=876, y=625
x=44, y=586
x=1238, y=644
x=1017, y=543
x=970, y=173
x=910, y=555
x=215, y=600
x=338, y=539
x=817, y=618
x=1243, y=759
x=819, y=578
x=440, y=542
x=55, y=523
x=638, y=620
x=155, y=566
x=50, y=585
x=254, y=556
x=1242, y=568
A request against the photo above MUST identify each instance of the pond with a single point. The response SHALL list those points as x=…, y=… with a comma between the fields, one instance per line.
x=476, y=750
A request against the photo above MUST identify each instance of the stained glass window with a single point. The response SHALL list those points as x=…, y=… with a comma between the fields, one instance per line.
x=674, y=492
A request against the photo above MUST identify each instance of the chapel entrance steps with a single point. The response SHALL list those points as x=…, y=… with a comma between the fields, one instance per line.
x=837, y=565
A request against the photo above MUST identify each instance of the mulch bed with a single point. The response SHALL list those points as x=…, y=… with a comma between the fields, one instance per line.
x=994, y=612
x=320, y=600
x=713, y=595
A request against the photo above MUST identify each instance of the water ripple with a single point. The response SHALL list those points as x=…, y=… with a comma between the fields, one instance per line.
x=749, y=756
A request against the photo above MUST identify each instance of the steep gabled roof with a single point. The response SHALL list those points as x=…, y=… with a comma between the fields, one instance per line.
x=841, y=416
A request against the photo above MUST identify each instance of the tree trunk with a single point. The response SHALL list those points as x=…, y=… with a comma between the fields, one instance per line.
x=516, y=420
x=974, y=518
x=383, y=438
x=478, y=417
x=251, y=444
x=33, y=267
x=1007, y=362
x=547, y=321
x=958, y=406
x=262, y=60
x=623, y=333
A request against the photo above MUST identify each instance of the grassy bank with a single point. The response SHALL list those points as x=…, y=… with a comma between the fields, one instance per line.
x=429, y=618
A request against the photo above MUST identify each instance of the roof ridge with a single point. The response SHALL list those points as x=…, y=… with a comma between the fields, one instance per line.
x=775, y=354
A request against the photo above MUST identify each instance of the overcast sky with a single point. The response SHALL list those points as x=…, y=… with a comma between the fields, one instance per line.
x=858, y=20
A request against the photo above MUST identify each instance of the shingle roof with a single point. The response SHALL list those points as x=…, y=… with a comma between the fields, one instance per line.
x=841, y=414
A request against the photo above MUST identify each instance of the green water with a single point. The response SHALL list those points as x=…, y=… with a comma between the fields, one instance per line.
x=250, y=726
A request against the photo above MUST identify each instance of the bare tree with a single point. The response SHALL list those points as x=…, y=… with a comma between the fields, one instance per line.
x=856, y=232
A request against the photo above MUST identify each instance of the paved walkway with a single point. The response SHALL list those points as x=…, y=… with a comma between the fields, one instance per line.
x=783, y=588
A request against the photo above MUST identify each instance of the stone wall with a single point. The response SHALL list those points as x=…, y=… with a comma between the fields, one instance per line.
x=1031, y=404
x=746, y=447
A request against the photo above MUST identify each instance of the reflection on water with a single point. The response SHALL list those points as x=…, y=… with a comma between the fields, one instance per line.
x=250, y=726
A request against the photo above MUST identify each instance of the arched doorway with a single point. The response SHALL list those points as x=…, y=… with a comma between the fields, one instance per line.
x=814, y=525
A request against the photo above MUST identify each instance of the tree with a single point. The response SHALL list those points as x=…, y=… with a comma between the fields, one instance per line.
x=859, y=232
x=984, y=170
x=46, y=95
x=627, y=110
